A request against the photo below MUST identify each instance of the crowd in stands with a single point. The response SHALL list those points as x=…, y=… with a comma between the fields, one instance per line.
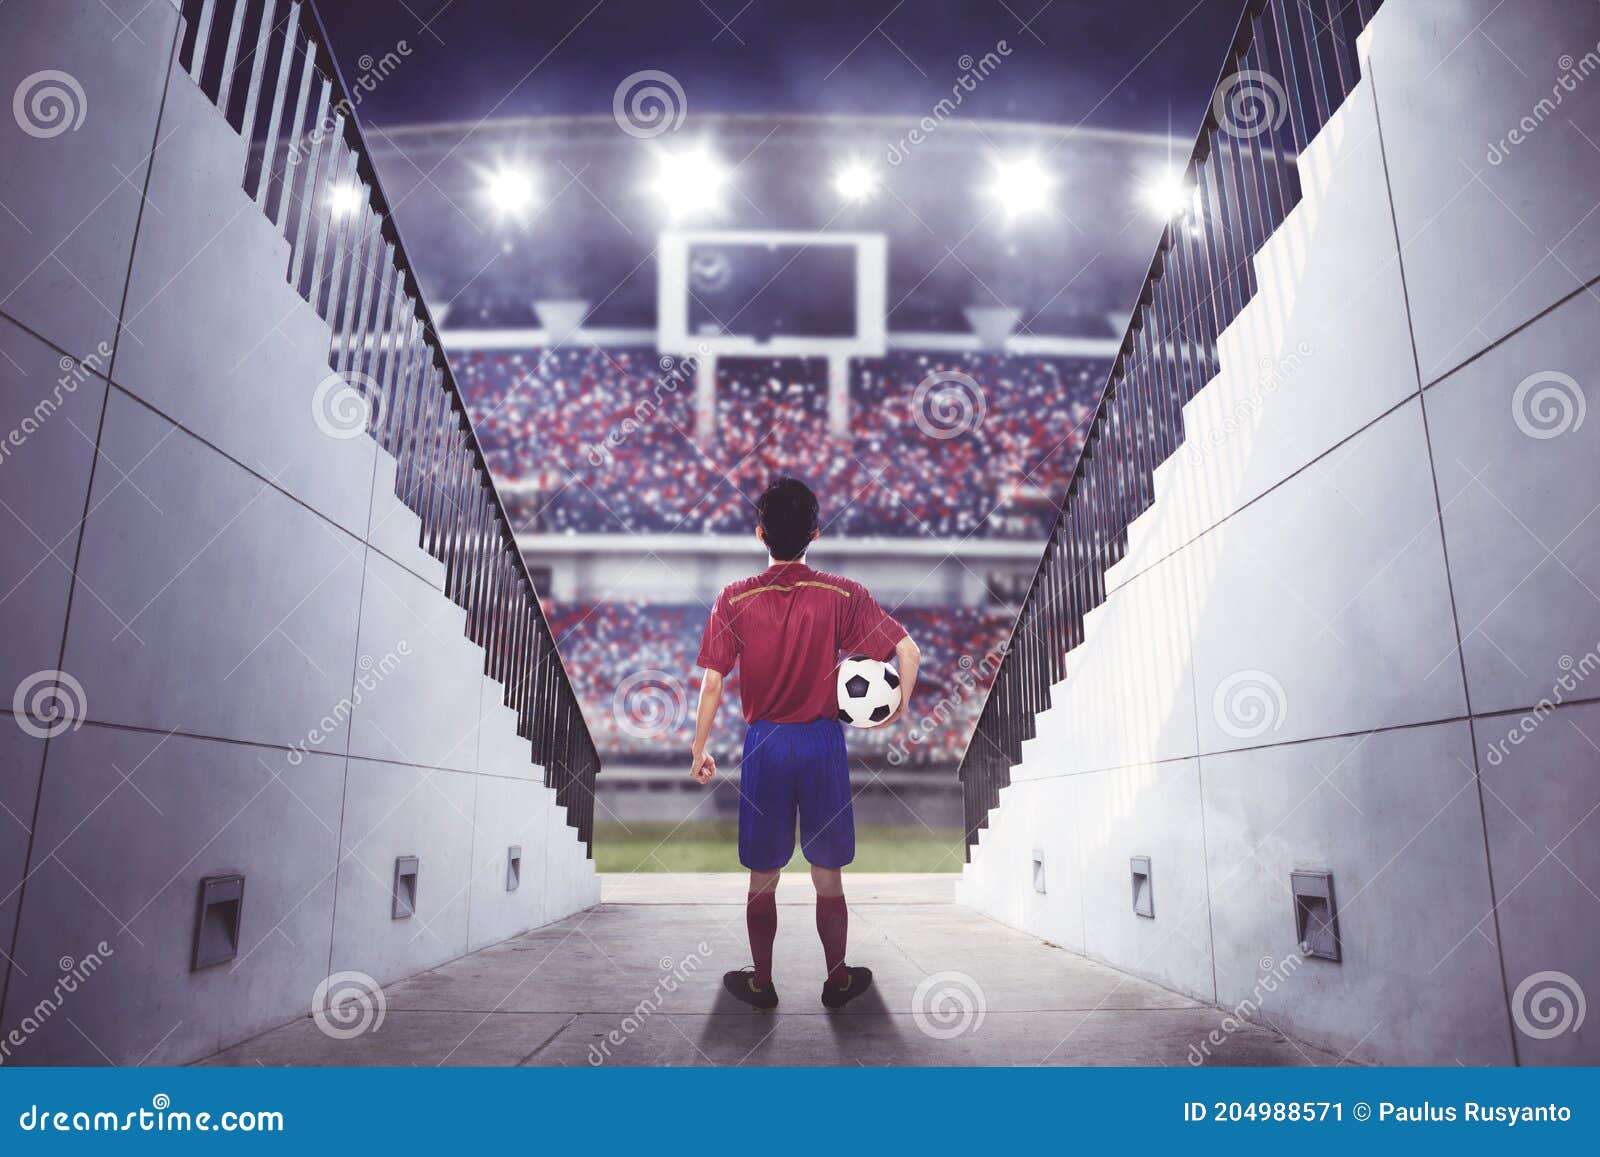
x=632, y=665
x=940, y=445
x=949, y=446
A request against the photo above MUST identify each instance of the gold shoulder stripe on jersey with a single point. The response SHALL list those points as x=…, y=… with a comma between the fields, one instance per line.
x=781, y=587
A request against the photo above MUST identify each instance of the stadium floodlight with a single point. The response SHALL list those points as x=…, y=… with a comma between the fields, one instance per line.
x=856, y=181
x=1167, y=193
x=1022, y=186
x=343, y=199
x=509, y=190
x=690, y=182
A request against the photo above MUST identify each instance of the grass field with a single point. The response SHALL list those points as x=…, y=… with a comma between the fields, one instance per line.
x=713, y=847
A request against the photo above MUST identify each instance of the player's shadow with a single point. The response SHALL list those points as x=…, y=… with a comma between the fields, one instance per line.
x=865, y=1032
x=733, y=1030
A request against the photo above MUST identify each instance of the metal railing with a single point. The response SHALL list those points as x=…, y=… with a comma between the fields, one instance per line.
x=265, y=65
x=1290, y=65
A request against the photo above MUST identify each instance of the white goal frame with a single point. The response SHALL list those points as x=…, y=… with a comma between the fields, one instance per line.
x=673, y=339
x=871, y=338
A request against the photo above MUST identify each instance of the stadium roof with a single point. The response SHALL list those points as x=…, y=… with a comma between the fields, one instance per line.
x=593, y=218
x=1147, y=66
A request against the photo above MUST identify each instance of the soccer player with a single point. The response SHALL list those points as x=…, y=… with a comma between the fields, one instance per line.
x=786, y=628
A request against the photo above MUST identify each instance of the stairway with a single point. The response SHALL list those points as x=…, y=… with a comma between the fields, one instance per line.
x=316, y=726
x=1291, y=681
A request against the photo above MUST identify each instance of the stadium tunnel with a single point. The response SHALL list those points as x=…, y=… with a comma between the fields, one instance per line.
x=1288, y=756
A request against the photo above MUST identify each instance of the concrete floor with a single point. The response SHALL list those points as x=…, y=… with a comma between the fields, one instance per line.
x=637, y=981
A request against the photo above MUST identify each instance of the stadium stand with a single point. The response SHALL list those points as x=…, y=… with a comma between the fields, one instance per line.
x=633, y=668
x=601, y=440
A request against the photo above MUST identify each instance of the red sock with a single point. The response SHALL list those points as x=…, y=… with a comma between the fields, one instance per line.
x=761, y=920
x=833, y=926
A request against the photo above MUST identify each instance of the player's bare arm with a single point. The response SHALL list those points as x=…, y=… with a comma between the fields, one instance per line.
x=702, y=767
x=908, y=657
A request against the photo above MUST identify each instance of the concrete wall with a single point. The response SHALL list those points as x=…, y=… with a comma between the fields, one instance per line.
x=272, y=681
x=1371, y=562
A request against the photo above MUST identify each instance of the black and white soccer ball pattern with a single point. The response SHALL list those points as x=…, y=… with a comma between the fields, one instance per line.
x=869, y=691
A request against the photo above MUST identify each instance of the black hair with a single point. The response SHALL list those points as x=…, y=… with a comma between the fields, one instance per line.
x=788, y=513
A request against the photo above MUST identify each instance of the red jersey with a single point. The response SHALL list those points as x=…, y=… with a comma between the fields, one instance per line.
x=786, y=627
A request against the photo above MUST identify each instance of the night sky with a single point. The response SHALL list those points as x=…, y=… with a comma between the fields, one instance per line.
x=1131, y=64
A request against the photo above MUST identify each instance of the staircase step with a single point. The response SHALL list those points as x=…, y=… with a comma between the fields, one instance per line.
x=396, y=530
x=501, y=751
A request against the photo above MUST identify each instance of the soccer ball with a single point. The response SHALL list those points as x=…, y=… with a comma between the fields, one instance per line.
x=869, y=691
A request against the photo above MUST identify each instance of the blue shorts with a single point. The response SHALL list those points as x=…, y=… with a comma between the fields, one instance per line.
x=795, y=771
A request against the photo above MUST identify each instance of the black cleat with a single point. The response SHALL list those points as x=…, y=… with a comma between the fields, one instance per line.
x=856, y=981
x=742, y=986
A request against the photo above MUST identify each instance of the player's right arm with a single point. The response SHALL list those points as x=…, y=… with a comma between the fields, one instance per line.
x=867, y=629
x=908, y=658
x=702, y=767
